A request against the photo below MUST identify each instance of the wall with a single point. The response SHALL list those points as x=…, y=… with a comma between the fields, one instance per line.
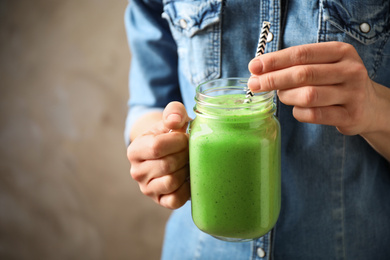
x=65, y=189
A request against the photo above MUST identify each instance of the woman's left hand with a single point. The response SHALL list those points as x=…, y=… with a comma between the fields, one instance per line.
x=327, y=83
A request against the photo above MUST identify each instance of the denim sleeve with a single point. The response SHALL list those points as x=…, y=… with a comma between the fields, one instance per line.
x=153, y=80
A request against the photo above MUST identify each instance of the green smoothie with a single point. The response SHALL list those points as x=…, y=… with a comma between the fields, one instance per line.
x=235, y=169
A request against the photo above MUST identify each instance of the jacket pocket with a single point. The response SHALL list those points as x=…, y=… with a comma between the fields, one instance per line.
x=364, y=24
x=196, y=27
x=365, y=21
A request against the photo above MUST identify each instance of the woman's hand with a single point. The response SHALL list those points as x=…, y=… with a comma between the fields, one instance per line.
x=327, y=83
x=159, y=159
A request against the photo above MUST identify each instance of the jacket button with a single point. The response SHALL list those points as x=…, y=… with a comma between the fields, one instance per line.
x=260, y=252
x=270, y=37
x=365, y=27
x=183, y=23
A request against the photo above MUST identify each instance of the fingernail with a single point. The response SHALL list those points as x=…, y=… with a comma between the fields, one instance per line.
x=174, y=118
x=254, y=84
x=255, y=66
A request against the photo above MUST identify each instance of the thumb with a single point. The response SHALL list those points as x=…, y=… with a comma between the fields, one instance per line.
x=175, y=116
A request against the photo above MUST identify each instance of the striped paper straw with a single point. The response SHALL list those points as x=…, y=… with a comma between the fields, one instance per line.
x=260, y=50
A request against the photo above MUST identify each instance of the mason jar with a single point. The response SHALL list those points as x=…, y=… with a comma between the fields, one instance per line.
x=234, y=150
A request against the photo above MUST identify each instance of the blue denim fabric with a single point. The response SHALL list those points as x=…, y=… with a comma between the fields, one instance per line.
x=335, y=188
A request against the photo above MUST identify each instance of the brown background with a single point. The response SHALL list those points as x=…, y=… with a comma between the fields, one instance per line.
x=65, y=189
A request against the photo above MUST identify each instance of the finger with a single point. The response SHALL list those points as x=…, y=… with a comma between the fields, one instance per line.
x=175, y=116
x=177, y=198
x=298, y=76
x=330, y=115
x=150, y=169
x=316, y=53
x=150, y=147
x=313, y=96
x=168, y=183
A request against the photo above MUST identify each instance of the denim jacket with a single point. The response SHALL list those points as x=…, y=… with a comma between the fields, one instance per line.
x=335, y=188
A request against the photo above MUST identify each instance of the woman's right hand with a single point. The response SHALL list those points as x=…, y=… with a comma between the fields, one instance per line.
x=159, y=159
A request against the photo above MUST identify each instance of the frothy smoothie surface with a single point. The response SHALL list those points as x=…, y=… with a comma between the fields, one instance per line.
x=234, y=104
x=235, y=169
